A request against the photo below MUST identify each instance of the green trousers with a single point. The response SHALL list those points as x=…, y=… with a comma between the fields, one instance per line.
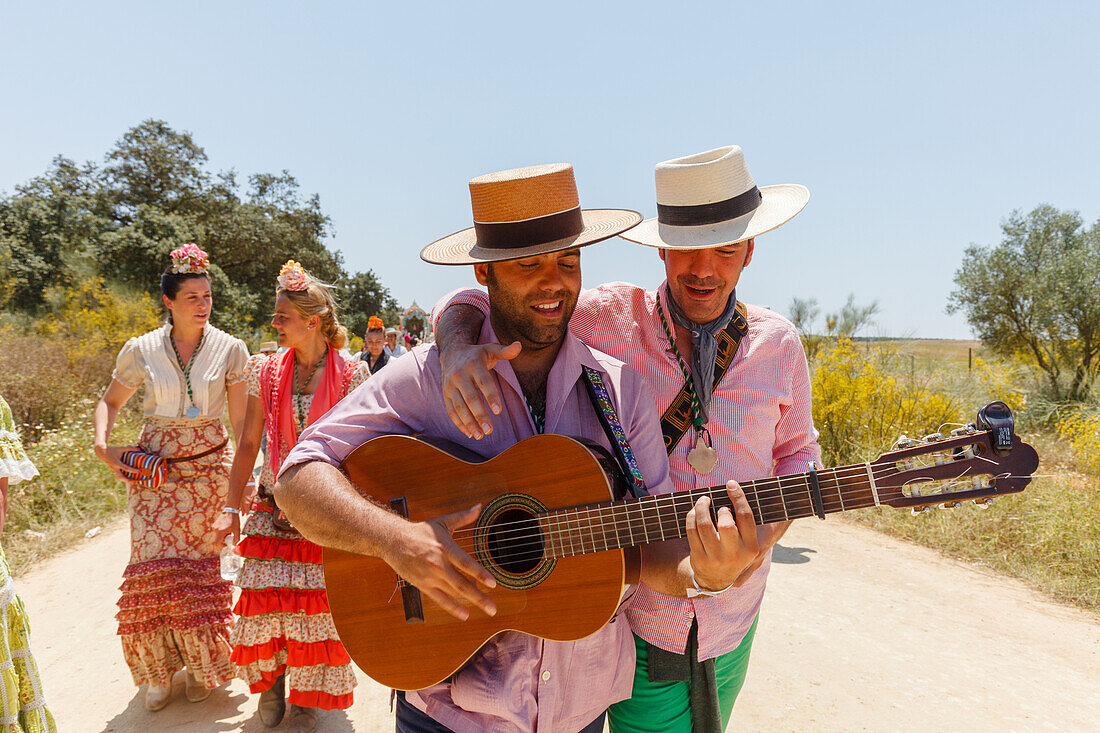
x=665, y=707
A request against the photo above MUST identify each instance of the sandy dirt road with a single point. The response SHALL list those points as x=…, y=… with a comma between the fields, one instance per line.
x=858, y=632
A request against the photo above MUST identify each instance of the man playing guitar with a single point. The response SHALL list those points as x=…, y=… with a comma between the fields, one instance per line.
x=733, y=384
x=525, y=250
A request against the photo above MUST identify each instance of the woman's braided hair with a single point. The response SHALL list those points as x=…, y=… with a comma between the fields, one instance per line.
x=311, y=297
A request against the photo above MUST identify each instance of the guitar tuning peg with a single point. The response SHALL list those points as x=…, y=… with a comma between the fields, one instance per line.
x=921, y=509
x=964, y=430
x=904, y=442
x=933, y=438
x=949, y=505
x=984, y=502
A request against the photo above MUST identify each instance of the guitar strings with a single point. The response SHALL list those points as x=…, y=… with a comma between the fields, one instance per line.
x=767, y=492
x=569, y=520
x=568, y=545
x=767, y=489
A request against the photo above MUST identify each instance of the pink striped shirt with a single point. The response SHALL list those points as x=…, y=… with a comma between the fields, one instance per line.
x=760, y=422
x=516, y=682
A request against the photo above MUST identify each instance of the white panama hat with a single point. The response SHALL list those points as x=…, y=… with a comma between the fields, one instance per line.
x=710, y=199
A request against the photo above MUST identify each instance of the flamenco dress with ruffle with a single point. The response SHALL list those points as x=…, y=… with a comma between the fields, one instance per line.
x=284, y=625
x=175, y=609
x=22, y=702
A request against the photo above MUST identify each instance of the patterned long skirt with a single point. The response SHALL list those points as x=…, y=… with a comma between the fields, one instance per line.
x=175, y=607
x=22, y=704
x=284, y=624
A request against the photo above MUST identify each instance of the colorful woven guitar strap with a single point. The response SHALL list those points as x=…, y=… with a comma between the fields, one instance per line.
x=609, y=419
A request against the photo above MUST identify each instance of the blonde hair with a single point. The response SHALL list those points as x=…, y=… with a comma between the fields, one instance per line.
x=316, y=300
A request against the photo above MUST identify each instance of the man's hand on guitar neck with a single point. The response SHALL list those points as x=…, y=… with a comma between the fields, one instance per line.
x=716, y=555
x=721, y=555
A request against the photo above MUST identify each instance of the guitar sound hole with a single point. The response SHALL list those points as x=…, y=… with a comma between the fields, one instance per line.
x=515, y=542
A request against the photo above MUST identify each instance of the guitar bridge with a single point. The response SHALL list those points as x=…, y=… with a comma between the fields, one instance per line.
x=410, y=595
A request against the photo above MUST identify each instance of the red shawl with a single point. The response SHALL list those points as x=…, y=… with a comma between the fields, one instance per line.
x=277, y=387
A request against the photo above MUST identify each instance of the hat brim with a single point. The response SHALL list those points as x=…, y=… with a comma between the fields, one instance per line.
x=461, y=248
x=779, y=204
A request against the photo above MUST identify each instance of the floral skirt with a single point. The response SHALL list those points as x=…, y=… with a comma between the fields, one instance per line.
x=22, y=705
x=175, y=609
x=284, y=624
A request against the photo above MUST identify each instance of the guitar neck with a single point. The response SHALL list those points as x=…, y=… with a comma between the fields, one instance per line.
x=616, y=525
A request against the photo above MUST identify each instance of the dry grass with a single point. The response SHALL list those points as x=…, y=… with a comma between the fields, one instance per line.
x=953, y=352
x=74, y=492
x=52, y=395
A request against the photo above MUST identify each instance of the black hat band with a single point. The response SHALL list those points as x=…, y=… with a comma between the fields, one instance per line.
x=719, y=211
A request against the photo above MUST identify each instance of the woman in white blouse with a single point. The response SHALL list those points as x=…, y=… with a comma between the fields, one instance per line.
x=175, y=609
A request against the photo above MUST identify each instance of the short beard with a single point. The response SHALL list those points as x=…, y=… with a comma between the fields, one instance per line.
x=510, y=321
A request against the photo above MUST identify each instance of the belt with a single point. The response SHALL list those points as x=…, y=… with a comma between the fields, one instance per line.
x=204, y=454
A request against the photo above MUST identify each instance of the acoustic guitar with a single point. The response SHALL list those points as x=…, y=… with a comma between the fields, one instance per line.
x=561, y=549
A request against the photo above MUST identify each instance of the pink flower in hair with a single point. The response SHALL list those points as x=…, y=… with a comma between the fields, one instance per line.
x=189, y=259
x=293, y=277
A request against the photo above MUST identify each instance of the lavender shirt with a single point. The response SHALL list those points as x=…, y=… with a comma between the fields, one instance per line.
x=516, y=682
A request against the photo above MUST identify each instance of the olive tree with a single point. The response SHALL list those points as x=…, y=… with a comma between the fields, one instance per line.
x=1037, y=293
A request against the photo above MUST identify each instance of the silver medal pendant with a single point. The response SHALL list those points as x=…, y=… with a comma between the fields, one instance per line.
x=702, y=458
x=192, y=412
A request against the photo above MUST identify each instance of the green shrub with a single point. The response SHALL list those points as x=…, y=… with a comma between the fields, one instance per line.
x=864, y=399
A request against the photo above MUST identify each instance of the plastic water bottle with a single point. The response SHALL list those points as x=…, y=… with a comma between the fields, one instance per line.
x=231, y=560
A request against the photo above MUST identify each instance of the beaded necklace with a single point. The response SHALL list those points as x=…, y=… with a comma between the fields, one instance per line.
x=702, y=458
x=537, y=416
x=696, y=412
x=299, y=387
x=192, y=411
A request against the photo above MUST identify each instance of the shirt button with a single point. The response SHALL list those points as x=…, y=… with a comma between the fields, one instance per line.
x=546, y=676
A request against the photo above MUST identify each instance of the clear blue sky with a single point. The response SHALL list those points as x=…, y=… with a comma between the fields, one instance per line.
x=916, y=127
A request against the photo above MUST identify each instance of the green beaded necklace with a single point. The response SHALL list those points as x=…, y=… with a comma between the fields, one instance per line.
x=696, y=411
x=299, y=387
x=193, y=411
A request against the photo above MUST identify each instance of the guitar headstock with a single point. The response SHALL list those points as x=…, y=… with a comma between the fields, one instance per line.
x=975, y=462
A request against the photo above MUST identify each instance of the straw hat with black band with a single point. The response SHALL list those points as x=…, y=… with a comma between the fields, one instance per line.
x=526, y=212
x=710, y=199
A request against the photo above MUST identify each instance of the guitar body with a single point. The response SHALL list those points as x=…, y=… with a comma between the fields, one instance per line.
x=407, y=647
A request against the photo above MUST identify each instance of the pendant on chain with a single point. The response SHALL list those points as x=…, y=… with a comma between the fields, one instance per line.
x=192, y=412
x=702, y=458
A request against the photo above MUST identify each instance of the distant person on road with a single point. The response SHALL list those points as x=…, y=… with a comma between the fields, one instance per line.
x=394, y=347
x=22, y=701
x=284, y=644
x=175, y=609
x=374, y=345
